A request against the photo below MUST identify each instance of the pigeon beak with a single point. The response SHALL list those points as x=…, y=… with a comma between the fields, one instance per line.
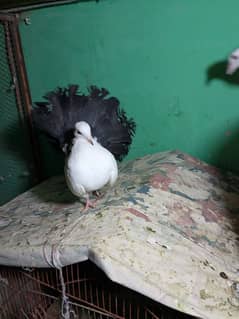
x=90, y=141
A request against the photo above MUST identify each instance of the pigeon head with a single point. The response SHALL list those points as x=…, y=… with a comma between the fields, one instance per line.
x=83, y=129
x=233, y=62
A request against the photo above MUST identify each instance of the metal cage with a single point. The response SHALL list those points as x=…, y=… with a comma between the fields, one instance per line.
x=37, y=294
x=20, y=160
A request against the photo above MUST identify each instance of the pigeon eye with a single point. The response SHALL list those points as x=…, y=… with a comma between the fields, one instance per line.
x=234, y=57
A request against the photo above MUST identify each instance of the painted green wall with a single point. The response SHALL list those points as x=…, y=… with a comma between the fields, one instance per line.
x=153, y=55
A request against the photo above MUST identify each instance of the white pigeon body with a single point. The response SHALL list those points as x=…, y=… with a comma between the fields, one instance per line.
x=89, y=166
x=233, y=62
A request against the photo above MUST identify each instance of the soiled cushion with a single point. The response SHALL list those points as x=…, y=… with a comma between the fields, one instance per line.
x=168, y=229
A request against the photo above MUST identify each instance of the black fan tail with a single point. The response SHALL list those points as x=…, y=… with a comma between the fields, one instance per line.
x=65, y=107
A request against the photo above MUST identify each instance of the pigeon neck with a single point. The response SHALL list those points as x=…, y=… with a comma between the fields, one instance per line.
x=84, y=139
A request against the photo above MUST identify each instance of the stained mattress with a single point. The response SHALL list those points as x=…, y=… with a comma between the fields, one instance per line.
x=168, y=229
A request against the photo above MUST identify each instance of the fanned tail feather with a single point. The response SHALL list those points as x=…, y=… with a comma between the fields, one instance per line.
x=64, y=107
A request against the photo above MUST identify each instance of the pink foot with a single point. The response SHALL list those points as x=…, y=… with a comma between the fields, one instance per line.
x=89, y=204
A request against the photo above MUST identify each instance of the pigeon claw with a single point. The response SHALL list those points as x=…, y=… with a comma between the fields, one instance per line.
x=89, y=204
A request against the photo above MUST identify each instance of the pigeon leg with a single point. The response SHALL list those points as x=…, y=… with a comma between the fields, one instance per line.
x=98, y=194
x=89, y=204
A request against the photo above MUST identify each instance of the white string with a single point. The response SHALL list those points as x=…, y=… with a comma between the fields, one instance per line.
x=54, y=261
x=65, y=306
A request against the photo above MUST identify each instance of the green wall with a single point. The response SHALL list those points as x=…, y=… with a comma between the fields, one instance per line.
x=154, y=56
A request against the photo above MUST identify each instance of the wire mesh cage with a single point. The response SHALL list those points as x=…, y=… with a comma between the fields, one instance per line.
x=19, y=151
x=88, y=294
